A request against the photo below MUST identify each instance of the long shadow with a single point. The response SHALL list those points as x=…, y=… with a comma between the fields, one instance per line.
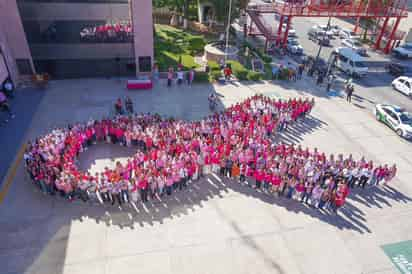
x=41, y=239
x=185, y=202
x=295, y=132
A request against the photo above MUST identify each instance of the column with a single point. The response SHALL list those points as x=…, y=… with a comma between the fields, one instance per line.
x=142, y=22
x=13, y=40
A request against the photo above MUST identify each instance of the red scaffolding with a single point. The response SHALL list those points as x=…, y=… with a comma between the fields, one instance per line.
x=387, y=10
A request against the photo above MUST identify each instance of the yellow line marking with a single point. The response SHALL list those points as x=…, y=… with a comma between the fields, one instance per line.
x=11, y=173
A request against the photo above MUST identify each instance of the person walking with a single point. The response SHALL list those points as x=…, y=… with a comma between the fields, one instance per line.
x=300, y=71
x=4, y=106
x=191, y=76
x=349, y=93
x=170, y=77
x=329, y=83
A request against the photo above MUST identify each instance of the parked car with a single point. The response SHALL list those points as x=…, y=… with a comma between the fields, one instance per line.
x=335, y=29
x=403, y=84
x=347, y=34
x=404, y=51
x=294, y=47
x=398, y=69
x=356, y=45
x=318, y=37
x=350, y=62
x=324, y=29
x=396, y=118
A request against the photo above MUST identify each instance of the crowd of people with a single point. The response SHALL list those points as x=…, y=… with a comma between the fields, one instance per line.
x=170, y=154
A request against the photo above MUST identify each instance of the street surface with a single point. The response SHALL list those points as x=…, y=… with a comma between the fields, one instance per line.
x=376, y=87
x=215, y=226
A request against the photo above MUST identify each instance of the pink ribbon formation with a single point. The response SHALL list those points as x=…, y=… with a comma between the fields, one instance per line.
x=237, y=142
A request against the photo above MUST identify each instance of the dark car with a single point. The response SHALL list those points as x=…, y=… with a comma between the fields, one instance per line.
x=319, y=37
x=397, y=69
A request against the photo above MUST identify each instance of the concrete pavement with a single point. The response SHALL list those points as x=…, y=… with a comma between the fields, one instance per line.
x=215, y=226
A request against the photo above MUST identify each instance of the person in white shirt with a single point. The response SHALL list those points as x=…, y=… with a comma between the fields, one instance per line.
x=180, y=76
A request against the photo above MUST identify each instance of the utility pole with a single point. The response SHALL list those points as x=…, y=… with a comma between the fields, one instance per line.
x=323, y=38
x=227, y=30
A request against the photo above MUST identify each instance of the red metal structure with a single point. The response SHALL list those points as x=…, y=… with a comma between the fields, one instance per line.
x=388, y=10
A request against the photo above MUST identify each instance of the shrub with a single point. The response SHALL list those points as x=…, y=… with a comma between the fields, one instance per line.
x=196, y=44
x=214, y=75
x=201, y=77
x=238, y=70
x=266, y=58
x=213, y=65
x=254, y=76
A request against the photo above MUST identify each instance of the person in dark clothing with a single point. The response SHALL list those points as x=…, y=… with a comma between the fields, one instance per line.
x=349, y=92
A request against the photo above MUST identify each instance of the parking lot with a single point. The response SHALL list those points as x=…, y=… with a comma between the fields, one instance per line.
x=375, y=87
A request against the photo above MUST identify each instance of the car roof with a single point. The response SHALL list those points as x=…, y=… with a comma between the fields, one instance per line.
x=404, y=78
x=394, y=108
x=349, y=52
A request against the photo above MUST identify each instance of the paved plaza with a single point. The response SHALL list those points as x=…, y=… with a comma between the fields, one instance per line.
x=215, y=225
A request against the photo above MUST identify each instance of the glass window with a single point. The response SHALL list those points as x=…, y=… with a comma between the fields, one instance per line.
x=78, y=31
x=360, y=64
x=343, y=58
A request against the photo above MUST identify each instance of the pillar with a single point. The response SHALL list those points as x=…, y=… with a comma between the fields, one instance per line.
x=390, y=40
x=278, y=38
x=142, y=22
x=13, y=42
x=285, y=35
x=380, y=35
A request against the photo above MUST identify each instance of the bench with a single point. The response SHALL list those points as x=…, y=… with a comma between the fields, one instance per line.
x=139, y=84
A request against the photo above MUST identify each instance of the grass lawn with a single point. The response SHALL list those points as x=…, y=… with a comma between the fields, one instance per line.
x=173, y=45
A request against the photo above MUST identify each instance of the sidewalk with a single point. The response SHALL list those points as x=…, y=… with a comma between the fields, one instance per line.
x=215, y=226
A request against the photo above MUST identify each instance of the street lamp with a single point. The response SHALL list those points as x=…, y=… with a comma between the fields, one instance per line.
x=228, y=29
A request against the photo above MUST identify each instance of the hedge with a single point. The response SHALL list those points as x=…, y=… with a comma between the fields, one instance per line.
x=238, y=70
x=214, y=75
x=254, y=76
x=201, y=77
x=196, y=44
x=213, y=65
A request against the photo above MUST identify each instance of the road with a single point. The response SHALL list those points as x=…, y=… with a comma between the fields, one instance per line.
x=373, y=89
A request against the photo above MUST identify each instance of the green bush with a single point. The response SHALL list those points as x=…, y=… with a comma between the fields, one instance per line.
x=201, y=77
x=214, y=75
x=238, y=70
x=266, y=58
x=241, y=75
x=254, y=76
x=196, y=44
x=213, y=65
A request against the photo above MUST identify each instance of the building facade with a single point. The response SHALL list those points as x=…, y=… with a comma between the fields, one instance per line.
x=76, y=38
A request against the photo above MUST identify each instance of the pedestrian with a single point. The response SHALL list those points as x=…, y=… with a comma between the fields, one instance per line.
x=4, y=106
x=8, y=88
x=227, y=71
x=300, y=71
x=349, y=93
x=170, y=76
x=319, y=80
x=330, y=82
x=180, y=76
x=190, y=76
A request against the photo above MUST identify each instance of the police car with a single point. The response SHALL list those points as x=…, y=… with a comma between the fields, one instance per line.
x=396, y=118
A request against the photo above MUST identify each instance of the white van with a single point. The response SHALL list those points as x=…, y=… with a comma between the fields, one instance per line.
x=350, y=62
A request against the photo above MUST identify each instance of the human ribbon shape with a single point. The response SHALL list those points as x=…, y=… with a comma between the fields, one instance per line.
x=236, y=142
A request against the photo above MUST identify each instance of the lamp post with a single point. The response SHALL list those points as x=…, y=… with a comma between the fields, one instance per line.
x=227, y=30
